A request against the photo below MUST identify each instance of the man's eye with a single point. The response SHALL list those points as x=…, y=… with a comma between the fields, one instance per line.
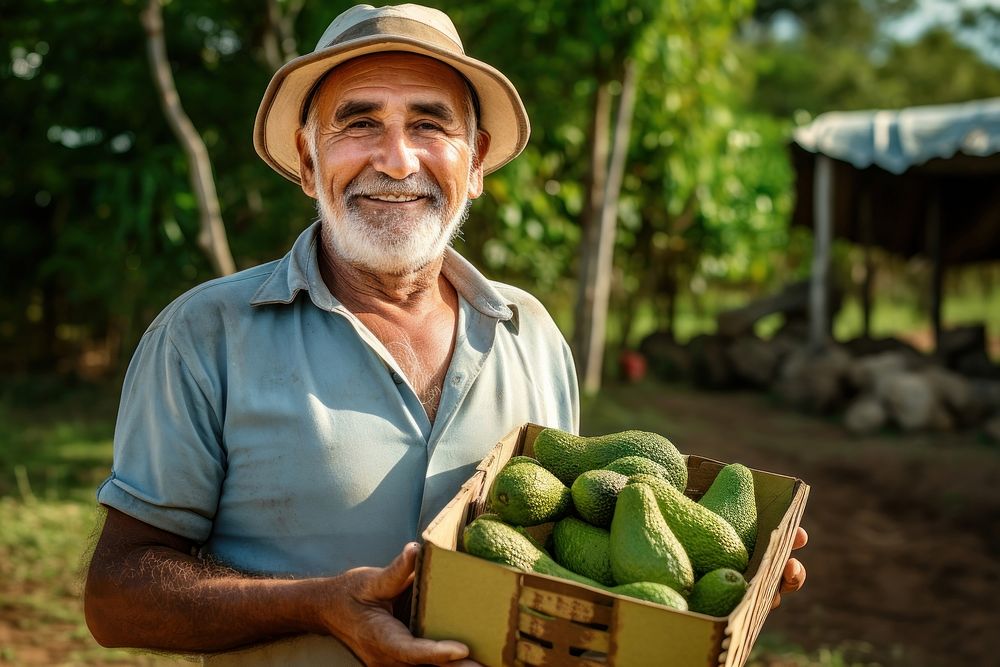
x=428, y=126
x=360, y=124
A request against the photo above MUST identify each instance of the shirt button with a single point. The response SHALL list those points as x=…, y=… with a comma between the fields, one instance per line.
x=456, y=379
x=396, y=378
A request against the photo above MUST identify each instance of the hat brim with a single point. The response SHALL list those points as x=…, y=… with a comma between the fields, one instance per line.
x=502, y=114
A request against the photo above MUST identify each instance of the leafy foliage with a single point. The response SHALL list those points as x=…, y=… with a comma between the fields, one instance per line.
x=99, y=224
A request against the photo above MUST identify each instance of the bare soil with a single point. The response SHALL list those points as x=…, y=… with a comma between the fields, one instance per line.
x=903, y=558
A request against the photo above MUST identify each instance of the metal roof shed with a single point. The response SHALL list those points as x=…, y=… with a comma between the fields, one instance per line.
x=916, y=181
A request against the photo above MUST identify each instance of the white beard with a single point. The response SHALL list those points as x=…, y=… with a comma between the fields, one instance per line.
x=390, y=243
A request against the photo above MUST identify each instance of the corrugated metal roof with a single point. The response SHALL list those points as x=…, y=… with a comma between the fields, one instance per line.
x=898, y=139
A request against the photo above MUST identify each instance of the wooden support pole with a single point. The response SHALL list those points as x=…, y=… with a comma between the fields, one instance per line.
x=868, y=239
x=936, y=255
x=819, y=288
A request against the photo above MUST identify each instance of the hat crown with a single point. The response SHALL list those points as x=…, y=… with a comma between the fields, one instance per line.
x=368, y=21
x=366, y=30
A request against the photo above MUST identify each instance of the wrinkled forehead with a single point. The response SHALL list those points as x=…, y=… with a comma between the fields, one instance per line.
x=400, y=72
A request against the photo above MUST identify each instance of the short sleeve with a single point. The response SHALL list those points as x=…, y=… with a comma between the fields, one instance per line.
x=169, y=462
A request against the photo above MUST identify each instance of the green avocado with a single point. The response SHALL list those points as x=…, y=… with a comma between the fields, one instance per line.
x=501, y=543
x=583, y=548
x=653, y=592
x=731, y=496
x=718, y=592
x=568, y=455
x=594, y=494
x=526, y=494
x=498, y=542
x=708, y=539
x=643, y=548
x=638, y=465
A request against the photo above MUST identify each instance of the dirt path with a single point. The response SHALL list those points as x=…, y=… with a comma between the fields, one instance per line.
x=904, y=550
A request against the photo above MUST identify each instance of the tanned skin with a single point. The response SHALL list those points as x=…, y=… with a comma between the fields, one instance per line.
x=145, y=590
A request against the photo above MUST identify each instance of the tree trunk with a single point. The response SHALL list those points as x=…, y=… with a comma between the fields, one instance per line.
x=672, y=304
x=212, y=237
x=867, y=236
x=279, y=38
x=590, y=221
x=677, y=226
x=598, y=251
x=53, y=293
x=934, y=251
x=641, y=258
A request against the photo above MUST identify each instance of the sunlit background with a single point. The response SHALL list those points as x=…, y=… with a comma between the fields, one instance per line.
x=700, y=100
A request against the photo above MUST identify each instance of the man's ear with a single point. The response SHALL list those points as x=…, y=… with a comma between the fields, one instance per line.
x=476, y=177
x=307, y=170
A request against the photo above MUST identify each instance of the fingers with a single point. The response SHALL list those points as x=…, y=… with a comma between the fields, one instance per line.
x=399, y=645
x=378, y=638
x=792, y=579
x=801, y=538
x=430, y=652
x=364, y=619
x=794, y=574
x=392, y=580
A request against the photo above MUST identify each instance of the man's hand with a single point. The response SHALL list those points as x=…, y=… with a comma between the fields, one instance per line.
x=361, y=617
x=795, y=573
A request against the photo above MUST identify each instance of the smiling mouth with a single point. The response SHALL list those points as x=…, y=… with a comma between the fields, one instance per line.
x=394, y=199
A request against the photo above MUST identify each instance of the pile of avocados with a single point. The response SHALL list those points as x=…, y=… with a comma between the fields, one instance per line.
x=621, y=520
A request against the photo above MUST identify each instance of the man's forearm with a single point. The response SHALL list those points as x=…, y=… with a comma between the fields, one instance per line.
x=158, y=598
x=144, y=590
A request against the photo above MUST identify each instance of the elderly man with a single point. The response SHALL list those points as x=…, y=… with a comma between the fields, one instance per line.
x=285, y=431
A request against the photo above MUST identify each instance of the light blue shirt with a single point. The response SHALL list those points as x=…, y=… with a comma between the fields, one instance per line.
x=261, y=418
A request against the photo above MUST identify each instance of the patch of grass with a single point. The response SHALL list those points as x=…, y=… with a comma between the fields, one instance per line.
x=44, y=546
x=55, y=442
x=55, y=448
x=41, y=549
x=621, y=407
x=903, y=315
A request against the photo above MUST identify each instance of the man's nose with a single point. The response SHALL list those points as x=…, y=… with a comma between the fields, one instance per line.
x=395, y=156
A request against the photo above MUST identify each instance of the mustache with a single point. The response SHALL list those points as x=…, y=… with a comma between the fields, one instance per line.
x=375, y=183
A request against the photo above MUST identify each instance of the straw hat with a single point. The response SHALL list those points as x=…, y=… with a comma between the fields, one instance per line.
x=362, y=30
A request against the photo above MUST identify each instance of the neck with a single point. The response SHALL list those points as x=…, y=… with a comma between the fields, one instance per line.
x=413, y=314
x=361, y=290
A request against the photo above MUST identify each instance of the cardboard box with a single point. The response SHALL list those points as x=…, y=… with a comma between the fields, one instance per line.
x=508, y=617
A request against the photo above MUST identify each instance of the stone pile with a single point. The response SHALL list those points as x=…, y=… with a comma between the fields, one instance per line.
x=872, y=384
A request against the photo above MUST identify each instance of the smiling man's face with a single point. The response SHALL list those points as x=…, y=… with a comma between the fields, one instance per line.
x=389, y=160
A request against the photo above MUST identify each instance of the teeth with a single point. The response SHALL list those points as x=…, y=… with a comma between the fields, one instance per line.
x=394, y=198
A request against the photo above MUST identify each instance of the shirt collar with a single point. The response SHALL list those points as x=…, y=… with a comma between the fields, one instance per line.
x=299, y=270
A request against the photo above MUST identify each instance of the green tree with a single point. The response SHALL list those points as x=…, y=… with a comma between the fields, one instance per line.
x=100, y=225
x=570, y=63
x=841, y=58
